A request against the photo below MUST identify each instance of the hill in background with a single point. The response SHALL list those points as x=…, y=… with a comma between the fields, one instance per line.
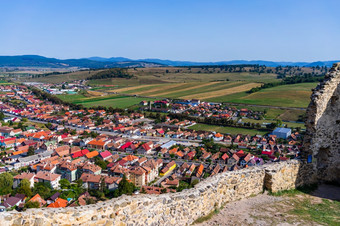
x=99, y=62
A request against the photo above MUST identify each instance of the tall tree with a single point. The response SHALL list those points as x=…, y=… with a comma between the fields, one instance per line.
x=6, y=183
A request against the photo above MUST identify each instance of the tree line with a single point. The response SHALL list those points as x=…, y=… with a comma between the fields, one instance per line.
x=111, y=73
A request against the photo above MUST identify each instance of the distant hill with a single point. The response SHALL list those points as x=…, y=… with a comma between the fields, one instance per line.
x=232, y=62
x=40, y=61
x=100, y=62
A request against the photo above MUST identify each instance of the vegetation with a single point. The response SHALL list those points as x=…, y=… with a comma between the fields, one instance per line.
x=306, y=78
x=6, y=183
x=327, y=212
x=227, y=129
x=34, y=204
x=111, y=73
x=24, y=188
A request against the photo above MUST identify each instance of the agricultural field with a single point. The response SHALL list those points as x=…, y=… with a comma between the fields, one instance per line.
x=227, y=130
x=207, y=84
x=67, y=77
x=295, y=95
x=106, y=101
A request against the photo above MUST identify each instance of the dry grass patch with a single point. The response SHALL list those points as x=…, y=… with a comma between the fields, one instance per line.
x=95, y=93
x=128, y=88
x=186, y=89
x=223, y=92
x=160, y=88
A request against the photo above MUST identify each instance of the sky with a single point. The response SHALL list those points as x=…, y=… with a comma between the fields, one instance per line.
x=195, y=30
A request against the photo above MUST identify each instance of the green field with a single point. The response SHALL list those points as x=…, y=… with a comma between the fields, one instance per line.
x=106, y=101
x=295, y=95
x=2, y=82
x=289, y=124
x=227, y=130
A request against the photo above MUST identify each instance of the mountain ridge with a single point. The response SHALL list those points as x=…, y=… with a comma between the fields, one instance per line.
x=102, y=62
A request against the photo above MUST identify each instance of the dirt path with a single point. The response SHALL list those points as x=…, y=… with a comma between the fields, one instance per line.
x=270, y=210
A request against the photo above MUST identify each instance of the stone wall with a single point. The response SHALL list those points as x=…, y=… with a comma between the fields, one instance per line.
x=323, y=130
x=173, y=208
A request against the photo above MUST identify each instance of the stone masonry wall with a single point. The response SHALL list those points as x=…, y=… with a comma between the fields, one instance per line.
x=323, y=130
x=173, y=208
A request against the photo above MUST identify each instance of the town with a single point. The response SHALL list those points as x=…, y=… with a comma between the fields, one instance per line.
x=56, y=156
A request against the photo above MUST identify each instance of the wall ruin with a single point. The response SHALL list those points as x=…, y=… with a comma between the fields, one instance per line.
x=173, y=208
x=322, y=139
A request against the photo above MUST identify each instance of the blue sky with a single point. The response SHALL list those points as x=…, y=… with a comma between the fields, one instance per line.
x=197, y=30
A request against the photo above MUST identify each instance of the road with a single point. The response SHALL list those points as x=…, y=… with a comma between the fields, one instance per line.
x=186, y=142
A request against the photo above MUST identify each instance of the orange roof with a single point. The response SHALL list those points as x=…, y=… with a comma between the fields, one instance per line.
x=173, y=151
x=37, y=198
x=18, y=152
x=97, y=142
x=218, y=135
x=130, y=158
x=180, y=154
x=200, y=170
x=92, y=154
x=58, y=203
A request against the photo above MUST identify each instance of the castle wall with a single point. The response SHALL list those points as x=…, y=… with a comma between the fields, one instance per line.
x=322, y=137
x=172, y=208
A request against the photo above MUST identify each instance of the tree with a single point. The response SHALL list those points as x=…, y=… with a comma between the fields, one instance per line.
x=125, y=187
x=33, y=204
x=2, y=116
x=30, y=151
x=6, y=183
x=43, y=189
x=101, y=163
x=24, y=188
x=64, y=184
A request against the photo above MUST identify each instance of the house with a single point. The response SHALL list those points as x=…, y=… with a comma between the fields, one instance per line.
x=91, y=181
x=137, y=176
x=53, y=198
x=233, y=160
x=18, y=178
x=59, y=203
x=37, y=198
x=145, y=149
x=105, y=155
x=11, y=201
x=44, y=176
x=112, y=182
x=130, y=159
x=5, y=131
x=63, y=150
x=80, y=153
x=92, y=154
x=199, y=172
x=68, y=171
x=218, y=137
x=96, y=144
x=91, y=168
x=83, y=198
x=170, y=183
x=168, y=168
